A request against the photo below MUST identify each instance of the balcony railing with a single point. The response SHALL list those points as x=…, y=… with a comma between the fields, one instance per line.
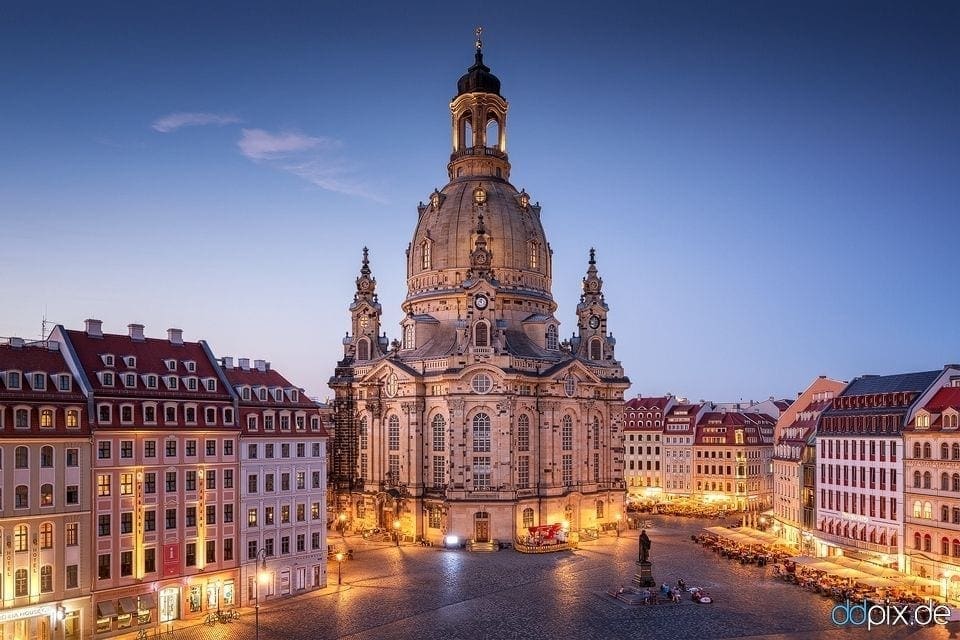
x=857, y=544
x=477, y=151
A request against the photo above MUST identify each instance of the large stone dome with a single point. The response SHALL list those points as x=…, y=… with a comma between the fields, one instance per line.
x=439, y=259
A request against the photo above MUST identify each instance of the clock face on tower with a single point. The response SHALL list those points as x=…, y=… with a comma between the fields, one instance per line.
x=363, y=322
x=480, y=301
x=594, y=322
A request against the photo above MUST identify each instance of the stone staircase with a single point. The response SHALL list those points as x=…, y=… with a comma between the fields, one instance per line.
x=490, y=545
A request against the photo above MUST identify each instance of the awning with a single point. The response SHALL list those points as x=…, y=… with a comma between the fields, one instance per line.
x=105, y=609
x=128, y=606
x=148, y=600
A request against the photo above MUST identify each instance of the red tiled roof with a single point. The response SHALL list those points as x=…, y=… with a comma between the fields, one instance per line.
x=655, y=402
x=269, y=378
x=945, y=398
x=36, y=359
x=151, y=354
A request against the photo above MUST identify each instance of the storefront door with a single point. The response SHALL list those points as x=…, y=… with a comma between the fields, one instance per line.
x=169, y=604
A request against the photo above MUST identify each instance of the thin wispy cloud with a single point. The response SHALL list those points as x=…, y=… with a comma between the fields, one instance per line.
x=307, y=157
x=174, y=121
x=258, y=144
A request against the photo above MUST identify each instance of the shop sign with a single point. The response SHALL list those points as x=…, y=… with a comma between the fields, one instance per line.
x=26, y=612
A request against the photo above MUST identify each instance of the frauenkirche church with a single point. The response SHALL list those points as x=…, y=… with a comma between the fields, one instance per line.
x=479, y=423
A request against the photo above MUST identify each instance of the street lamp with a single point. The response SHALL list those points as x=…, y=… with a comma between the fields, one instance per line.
x=261, y=564
x=339, y=557
x=396, y=531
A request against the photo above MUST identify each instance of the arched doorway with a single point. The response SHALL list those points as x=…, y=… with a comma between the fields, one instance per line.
x=481, y=526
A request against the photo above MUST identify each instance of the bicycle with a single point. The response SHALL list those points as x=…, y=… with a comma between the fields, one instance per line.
x=212, y=619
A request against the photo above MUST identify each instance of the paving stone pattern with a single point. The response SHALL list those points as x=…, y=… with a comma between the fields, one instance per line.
x=415, y=592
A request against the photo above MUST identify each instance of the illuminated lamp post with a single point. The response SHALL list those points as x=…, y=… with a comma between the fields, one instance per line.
x=339, y=557
x=261, y=559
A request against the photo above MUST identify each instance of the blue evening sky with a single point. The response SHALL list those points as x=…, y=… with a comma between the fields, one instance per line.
x=772, y=187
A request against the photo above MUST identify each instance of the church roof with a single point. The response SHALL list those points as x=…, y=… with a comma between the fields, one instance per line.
x=478, y=79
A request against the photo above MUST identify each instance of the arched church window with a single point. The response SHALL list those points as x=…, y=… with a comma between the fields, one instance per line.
x=596, y=432
x=493, y=131
x=596, y=349
x=481, y=432
x=566, y=433
x=523, y=432
x=364, y=438
x=408, y=337
x=528, y=518
x=439, y=432
x=425, y=255
x=552, y=337
x=363, y=349
x=481, y=335
x=393, y=433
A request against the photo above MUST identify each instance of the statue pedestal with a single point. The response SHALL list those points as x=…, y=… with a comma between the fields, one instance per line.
x=644, y=578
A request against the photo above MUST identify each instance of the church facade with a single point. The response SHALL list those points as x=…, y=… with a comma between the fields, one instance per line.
x=479, y=422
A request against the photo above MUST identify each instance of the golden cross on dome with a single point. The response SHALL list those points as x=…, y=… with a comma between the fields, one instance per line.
x=479, y=42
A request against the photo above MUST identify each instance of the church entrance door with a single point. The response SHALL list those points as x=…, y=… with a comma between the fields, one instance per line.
x=481, y=527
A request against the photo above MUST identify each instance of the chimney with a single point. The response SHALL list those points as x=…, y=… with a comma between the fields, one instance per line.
x=266, y=366
x=244, y=363
x=16, y=343
x=259, y=364
x=227, y=362
x=175, y=336
x=135, y=331
x=94, y=328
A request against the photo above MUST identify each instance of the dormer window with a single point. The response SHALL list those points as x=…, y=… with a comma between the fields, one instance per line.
x=211, y=385
x=151, y=382
x=408, y=337
x=171, y=365
x=39, y=382
x=64, y=382
x=551, y=342
x=923, y=421
x=13, y=380
x=245, y=393
x=294, y=395
x=190, y=365
x=278, y=395
x=108, y=360
x=173, y=382
x=130, y=380
x=263, y=395
x=106, y=378
x=130, y=361
x=192, y=384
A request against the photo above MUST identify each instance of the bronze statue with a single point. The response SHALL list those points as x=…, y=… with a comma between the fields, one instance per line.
x=644, y=546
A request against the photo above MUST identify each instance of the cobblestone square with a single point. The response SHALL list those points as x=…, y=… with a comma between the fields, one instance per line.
x=424, y=592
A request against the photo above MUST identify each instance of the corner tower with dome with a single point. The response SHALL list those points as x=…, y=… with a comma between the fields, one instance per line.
x=478, y=422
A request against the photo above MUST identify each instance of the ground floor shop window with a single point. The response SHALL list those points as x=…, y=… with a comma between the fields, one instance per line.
x=71, y=626
x=229, y=593
x=195, y=602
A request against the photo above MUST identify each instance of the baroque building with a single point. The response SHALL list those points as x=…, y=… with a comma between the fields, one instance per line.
x=862, y=459
x=794, y=463
x=163, y=472
x=479, y=422
x=44, y=494
x=283, y=466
